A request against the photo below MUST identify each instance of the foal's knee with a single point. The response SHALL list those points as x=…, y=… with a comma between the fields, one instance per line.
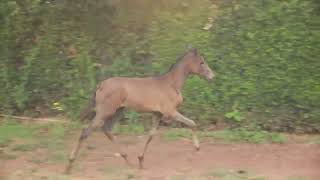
x=107, y=126
x=85, y=133
x=192, y=125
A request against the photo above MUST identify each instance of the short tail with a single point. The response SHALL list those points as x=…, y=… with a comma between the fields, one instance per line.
x=88, y=112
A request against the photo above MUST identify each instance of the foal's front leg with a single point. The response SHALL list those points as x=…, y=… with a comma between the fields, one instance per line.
x=155, y=125
x=191, y=124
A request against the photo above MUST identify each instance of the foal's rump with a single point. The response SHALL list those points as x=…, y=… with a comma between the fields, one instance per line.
x=89, y=111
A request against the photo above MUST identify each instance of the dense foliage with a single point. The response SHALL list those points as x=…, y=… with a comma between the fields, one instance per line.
x=265, y=53
x=268, y=56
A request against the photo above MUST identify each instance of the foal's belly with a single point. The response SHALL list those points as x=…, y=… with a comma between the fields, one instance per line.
x=154, y=101
x=143, y=102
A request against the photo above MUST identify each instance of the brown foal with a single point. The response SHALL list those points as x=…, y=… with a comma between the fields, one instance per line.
x=160, y=95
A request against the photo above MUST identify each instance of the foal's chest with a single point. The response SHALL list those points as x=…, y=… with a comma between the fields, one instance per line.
x=179, y=98
x=175, y=98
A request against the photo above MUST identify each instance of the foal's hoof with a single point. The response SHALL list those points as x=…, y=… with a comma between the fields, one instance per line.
x=68, y=167
x=197, y=148
x=129, y=164
x=140, y=158
x=67, y=171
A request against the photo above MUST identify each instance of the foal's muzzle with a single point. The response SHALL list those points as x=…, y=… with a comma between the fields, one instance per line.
x=209, y=74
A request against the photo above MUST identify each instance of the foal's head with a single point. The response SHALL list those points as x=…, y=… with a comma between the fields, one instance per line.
x=197, y=65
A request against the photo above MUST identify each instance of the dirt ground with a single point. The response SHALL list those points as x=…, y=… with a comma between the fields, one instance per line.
x=169, y=160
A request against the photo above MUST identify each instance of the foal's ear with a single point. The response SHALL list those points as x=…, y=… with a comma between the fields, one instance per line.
x=194, y=51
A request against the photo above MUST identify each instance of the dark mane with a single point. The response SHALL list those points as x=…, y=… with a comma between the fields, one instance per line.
x=175, y=64
x=178, y=60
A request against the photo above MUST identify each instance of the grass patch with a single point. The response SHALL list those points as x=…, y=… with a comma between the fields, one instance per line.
x=110, y=170
x=130, y=176
x=297, y=178
x=51, y=136
x=239, y=135
x=52, y=130
x=11, y=129
x=220, y=174
x=176, y=133
x=58, y=157
x=24, y=147
x=223, y=174
x=54, y=176
x=4, y=142
x=228, y=135
x=313, y=140
x=188, y=177
x=50, y=156
x=57, y=131
x=178, y=177
x=114, y=172
x=246, y=136
x=130, y=129
x=7, y=156
x=37, y=160
x=58, y=177
x=19, y=137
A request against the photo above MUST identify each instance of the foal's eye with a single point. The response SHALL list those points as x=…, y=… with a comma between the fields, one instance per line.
x=202, y=63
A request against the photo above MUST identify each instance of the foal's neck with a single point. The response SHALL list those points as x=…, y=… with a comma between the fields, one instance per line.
x=177, y=76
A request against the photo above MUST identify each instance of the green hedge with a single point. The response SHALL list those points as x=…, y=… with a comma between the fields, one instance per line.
x=265, y=54
x=267, y=57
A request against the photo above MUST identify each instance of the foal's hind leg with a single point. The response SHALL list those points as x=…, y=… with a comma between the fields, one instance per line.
x=94, y=124
x=155, y=125
x=74, y=153
x=107, y=128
